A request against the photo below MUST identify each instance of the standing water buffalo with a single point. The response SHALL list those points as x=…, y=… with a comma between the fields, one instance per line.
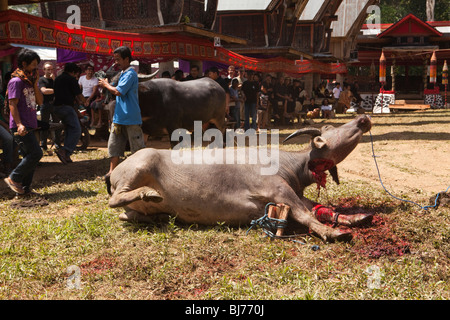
x=150, y=183
x=167, y=105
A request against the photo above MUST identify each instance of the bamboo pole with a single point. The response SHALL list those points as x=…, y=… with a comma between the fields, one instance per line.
x=281, y=212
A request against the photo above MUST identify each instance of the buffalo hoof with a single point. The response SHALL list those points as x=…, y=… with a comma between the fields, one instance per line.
x=341, y=236
x=133, y=216
x=151, y=195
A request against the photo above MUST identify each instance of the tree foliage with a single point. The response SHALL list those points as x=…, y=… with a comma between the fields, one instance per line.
x=394, y=10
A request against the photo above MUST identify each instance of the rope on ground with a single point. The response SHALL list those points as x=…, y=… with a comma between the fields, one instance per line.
x=381, y=181
x=268, y=225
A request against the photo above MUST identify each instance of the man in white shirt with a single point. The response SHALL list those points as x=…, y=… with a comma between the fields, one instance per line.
x=89, y=85
x=337, y=91
x=336, y=94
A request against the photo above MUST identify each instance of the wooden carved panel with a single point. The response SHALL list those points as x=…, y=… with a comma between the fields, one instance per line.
x=171, y=10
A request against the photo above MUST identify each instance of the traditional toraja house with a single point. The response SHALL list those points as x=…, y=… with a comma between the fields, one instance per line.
x=157, y=31
x=184, y=32
x=299, y=30
x=407, y=48
x=335, y=31
x=312, y=40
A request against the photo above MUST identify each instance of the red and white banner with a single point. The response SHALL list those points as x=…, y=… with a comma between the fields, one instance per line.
x=21, y=28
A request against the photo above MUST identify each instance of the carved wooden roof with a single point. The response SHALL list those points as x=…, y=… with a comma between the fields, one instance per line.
x=410, y=25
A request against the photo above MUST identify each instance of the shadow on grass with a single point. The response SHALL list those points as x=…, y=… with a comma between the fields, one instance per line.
x=51, y=173
x=69, y=194
x=166, y=224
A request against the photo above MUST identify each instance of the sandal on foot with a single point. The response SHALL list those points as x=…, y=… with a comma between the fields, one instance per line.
x=14, y=186
x=61, y=153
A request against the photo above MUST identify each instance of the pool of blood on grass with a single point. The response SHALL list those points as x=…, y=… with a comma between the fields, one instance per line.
x=376, y=239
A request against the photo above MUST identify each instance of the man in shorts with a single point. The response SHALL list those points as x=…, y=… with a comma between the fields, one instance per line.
x=126, y=124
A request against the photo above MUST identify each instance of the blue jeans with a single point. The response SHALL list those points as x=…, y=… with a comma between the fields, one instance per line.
x=31, y=155
x=237, y=117
x=48, y=109
x=7, y=145
x=250, y=111
x=69, y=118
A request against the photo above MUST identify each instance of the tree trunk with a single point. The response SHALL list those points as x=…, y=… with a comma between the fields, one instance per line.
x=209, y=17
x=430, y=9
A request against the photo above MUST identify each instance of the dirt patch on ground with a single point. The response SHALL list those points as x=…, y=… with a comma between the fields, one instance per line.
x=412, y=152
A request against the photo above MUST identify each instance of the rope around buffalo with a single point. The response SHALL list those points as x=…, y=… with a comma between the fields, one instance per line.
x=267, y=224
x=381, y=181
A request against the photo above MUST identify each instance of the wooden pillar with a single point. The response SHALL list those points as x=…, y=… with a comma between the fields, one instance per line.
x=340, y=78
x=425, y=74
x=393, y=75
x=166, y=66
x=406, y=76
x=3, y=5
x=309, y=82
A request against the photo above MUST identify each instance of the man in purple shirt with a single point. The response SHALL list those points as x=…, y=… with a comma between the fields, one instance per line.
x=24, y=95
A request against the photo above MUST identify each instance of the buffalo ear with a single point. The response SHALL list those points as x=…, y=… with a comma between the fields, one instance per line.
x=319, y=142
x=334, y=174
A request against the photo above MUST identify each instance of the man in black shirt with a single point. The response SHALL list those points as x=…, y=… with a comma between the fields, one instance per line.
x=46, y=86
x=194, y=74
x=213, y=73
x=250, y=88
x=67, y=93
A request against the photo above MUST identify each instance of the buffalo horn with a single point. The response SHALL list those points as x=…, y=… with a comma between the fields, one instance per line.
x=313, y=132
x=146, y=77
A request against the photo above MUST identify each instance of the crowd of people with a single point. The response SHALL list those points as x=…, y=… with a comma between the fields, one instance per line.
x=253, y=101
x=256, y=100
x=60, y=98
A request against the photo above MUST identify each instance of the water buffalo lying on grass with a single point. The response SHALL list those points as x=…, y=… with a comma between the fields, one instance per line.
x=149, y=183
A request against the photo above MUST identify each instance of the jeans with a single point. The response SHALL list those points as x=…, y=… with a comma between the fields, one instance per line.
x=250, y=111
x=7, y=145
x=48, y=109
x=69, y=118
x=31, y=155
x=237, y=117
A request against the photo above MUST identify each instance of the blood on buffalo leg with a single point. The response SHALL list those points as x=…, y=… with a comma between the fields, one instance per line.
x=302, y=214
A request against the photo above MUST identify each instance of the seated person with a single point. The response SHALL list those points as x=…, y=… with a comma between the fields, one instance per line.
x=311, y=106
x=97, y=106
x=312, y=109
x=326, y=109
